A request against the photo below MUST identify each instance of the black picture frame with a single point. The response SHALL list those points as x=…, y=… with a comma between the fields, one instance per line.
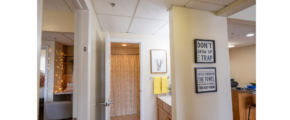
x=197, y=83
x=196, y=49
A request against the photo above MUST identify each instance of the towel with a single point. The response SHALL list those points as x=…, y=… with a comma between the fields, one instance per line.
x=164, y=84
x=157, y=85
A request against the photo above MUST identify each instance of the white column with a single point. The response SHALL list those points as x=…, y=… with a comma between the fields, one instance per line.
x=185, y=26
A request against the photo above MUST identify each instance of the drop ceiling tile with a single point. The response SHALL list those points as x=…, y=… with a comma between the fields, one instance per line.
x=59, y=38
x=57, y=5
x=145, y=26
x=70, y=5
x=220, y=2
x=234, y=25
x=122, y=7
x=114, y=23
x=242, y=39
x=238, y=31
x=249, y=27
x=153, y=9
x=164, y=30
x=53, y=35
x=204, y=6
x=178, y=2
x=69, y=35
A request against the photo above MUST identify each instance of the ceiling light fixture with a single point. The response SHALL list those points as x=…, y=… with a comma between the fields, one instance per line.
x=113, y=4
x=250, y=35
x=124, y=45
x=231, y=46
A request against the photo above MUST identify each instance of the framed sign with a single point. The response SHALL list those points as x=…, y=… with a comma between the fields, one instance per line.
x=204, y=51
x=205, y=79
x=158, y=61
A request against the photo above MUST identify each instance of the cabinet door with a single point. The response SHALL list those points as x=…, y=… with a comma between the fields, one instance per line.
x=167, y=108
x=159, y=102
x=168, y=117
x=162, y=115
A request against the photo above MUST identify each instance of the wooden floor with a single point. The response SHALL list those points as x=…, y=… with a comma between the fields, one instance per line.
x=127, y=117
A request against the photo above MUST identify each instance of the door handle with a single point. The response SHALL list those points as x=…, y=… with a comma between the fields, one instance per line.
x=110, y=102
x=107, y=103
x=104, y=103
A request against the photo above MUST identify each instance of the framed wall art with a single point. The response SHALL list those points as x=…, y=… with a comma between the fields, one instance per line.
x=158, y=61
x=205, y=79
x=204, y=51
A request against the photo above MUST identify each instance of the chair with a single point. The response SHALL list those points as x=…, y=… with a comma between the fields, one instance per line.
x=58, y=110
x=250, y=106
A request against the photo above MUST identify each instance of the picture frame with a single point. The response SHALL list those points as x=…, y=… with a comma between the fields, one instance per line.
x=158, y=61
x=204, y=51
x=205, y=79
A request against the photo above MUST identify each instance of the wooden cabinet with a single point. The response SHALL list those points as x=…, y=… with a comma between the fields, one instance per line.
x=164, y=110
x=240, y=104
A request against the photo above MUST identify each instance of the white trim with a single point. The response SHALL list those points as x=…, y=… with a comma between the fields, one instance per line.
x=46, y=47
x=50, y=81
x=46, y=70
x=141, y=44
x=81, y=65
x=81, y=73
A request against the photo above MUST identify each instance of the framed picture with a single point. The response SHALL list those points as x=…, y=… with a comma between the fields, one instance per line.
x=158, y=61
x=204, y=51
x=205, y=79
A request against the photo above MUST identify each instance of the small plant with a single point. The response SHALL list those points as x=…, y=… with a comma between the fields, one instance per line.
x=169, y=88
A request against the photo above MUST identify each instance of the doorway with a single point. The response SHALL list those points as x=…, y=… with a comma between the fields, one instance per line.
x=43, y=80
x=60, y=63
x=125, y=81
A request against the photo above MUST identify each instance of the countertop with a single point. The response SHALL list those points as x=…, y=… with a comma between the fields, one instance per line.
x=166, y=99
x=245, y=90
x=63, y=93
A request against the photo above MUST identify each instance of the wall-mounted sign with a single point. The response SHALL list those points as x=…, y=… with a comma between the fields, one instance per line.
x=158, y=61
x=204, y=51
x=205, y=79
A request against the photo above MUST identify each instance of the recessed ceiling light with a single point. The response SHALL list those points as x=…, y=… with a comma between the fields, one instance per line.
x=250, y=35
x=124, y=45
x=231, y=46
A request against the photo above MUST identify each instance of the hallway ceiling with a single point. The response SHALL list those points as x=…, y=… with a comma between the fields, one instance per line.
x=237, y=34
x=58, y=5
x=128, y=45
x=63, y=38
x=246, y=14
x=146, y=16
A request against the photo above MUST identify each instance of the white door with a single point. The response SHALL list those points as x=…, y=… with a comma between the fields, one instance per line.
x=105, y=105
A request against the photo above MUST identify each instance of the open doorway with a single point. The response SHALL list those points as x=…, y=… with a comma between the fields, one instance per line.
x=58, y=85
x=125, y=81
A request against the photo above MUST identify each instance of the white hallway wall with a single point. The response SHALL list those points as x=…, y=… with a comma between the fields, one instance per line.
x=150, y=42
x=39, y=4
x=185, y=26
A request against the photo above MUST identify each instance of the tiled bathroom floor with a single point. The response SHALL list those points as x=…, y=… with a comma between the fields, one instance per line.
x=127, y=117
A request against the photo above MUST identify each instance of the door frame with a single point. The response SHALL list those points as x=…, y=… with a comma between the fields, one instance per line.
x=46, y=71
x=82, y=39
x=46, y=47
x=141, y=54
x=81, y=73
